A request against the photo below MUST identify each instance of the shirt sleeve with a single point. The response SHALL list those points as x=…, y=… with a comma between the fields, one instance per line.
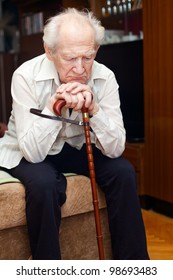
x=107, y=124
x=35, y=135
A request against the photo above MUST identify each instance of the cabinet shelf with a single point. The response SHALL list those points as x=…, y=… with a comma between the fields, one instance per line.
x=32, y=16
x=129, y=21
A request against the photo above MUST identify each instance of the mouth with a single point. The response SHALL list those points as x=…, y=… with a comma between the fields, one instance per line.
x=78, y=79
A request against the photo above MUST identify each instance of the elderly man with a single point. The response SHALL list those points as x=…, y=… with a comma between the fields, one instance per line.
x=39, y=152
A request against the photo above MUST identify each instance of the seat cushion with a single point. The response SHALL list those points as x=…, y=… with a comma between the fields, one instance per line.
x=12, y=205
x=12, y=199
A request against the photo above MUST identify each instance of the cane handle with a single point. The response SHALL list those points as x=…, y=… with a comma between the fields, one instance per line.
x=58, y=105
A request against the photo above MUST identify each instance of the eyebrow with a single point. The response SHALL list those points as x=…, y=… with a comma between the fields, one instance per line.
x=69, y=55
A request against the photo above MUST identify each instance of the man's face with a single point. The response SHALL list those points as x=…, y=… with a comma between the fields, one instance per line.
x=75, y=54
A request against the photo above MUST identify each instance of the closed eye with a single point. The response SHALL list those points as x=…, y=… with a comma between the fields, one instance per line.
x=88, y=58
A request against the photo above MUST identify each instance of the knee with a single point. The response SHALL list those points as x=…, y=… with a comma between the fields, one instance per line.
x=126, y=169
x=123, y=175
x=126, y=174
x=44, y=188
x=124, y=184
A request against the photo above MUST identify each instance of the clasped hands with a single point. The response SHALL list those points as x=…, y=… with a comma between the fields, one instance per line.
x=76, y=96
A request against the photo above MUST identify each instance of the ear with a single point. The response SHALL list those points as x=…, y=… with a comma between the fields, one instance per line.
x=96, y=49
x=48, y=52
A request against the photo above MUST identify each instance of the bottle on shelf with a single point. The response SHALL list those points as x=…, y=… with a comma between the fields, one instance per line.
x=114, y=7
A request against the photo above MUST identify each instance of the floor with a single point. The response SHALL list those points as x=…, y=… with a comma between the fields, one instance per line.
x=159, y=231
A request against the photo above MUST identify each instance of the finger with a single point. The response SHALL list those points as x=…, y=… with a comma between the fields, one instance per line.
x=74, y=101
x=63, y=87
x=75, y=88
x=68, y=99
x=68, y=87
x=88, y=98
x=66, y=96
x=80, y=102
x=81, y=88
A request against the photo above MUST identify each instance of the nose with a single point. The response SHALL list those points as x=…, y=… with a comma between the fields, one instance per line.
x=79, y=67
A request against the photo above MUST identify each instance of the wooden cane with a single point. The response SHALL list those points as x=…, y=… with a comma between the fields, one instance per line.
x=57, y=109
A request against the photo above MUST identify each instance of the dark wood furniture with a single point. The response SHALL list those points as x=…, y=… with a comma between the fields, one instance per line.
x=158, y=92
x=134, y=152
x=8, y=63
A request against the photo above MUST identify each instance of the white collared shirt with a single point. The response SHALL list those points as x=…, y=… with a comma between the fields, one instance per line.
x=33, y=137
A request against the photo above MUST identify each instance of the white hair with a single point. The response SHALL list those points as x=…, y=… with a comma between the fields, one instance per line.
x=53, y=24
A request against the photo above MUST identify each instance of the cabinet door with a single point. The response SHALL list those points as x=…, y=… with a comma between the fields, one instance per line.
x=158, y=81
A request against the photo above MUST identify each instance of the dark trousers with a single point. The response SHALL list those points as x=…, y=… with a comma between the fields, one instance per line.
x=45, y=193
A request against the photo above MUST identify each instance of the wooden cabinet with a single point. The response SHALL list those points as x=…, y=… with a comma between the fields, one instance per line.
x=32, y=17
x=134, y=152
x=158, y=92
x=8, y=63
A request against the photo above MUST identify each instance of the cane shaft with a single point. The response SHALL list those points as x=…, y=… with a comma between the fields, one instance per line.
x=93, y=183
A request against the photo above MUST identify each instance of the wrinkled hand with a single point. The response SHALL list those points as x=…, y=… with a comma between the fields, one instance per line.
x=76, y=96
